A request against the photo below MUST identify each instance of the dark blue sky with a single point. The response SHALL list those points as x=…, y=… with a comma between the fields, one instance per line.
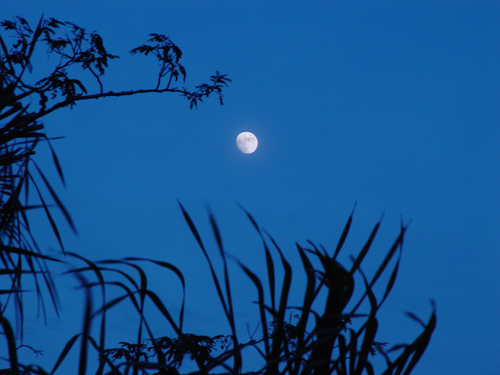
x=390, y=104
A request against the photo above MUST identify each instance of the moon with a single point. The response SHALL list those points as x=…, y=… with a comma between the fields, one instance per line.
x=247, y=142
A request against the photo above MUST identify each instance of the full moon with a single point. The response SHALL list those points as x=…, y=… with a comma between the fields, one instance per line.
x=247, y=142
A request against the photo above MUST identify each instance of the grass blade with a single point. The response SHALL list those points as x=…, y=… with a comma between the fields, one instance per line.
x=344, y=234
x=365, y=249
x=179, y=275
x=58, y=201
x=269, y=261
x=370, y=329
x=65, y=352
x=230, y=317
x=11, y=343
x=261, y=302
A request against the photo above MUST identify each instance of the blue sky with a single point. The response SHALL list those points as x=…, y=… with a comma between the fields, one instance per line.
x=390, y=104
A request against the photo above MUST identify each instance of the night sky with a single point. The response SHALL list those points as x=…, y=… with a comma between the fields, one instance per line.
x=389, y=106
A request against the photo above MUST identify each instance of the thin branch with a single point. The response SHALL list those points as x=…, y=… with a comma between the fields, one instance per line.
x=74, y=99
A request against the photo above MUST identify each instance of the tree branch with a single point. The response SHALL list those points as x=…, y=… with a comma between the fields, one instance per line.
x=70, y=101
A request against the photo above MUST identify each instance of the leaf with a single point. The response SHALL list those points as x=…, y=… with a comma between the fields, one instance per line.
x=49, y=216
x=263, y=319
x=365, y=249
x=342, y=355
x=37, y=34
x=415, y=318
x=56, y=162
x=87, y=319
x=179, y=275
x=344, y=234
x=353, y=349
x=26, y=253
x=58, y=201
x=392, y=279
x=11, y=342
x=370, y=330
x=79, y=84
x=65, y=352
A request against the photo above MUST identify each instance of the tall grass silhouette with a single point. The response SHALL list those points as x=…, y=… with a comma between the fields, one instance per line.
x=322, y=339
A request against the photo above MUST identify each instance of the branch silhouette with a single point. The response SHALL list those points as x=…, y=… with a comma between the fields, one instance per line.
x=75, y=46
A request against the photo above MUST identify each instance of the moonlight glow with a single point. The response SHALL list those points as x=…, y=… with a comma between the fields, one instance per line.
x=247, y=142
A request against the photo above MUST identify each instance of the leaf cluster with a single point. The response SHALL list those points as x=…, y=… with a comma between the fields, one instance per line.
x=174, y=349
x=167, y=53
x=219, y=81
x=77, y=47
x=74, y=47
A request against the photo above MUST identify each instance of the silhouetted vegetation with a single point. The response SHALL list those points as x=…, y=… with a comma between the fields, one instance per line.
x=327, y=333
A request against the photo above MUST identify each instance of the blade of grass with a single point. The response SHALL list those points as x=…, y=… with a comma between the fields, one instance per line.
x=65, y=352
x=353, y=349
x=269, y=260
x=49, y=217
x=58, y=201
x=392, y=279
x=306, y=307
x=36, y=35
x=260, y=291
x=365, y=248
x=278, y=334
x=56, y=162
x=195, y=233
x=87, y=320
x=370, y=331
x=237, y=356
x=422, y=342
x=397, y=244
x=344, y=233
x=11, y=343
x=6, y=53
x=342, y=355
x=179, y=275
x=26, y=253
x=98, y=273
x=414, y=350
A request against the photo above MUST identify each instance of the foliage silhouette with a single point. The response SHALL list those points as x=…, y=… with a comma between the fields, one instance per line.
x=22, y=132
x=320, y=336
